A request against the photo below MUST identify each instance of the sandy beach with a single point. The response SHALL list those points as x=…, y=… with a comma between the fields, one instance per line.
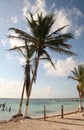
x=73, y=121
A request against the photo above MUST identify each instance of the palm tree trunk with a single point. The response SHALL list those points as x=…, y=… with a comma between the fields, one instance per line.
x=80, y=105
x=21, y=100
x=30, y=88
x=26, y=114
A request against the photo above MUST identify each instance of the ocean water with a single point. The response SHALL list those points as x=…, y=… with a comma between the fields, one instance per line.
x=36, y=106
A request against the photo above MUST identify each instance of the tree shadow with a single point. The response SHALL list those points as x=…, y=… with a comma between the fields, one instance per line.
x=74, y=119
x=66, y=123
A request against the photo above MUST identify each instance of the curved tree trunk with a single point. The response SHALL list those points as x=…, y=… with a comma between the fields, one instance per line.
x=21, y=100
x=20, y=105
x=30, y=88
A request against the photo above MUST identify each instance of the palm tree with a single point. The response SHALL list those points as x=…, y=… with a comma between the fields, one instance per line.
x=78, y=75
x=27, y=53
x=41, y=40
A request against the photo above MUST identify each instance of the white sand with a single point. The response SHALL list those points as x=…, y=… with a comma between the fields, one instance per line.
x=69, y=122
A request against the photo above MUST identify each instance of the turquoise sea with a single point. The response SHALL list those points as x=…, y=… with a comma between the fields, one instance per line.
x=36, y=106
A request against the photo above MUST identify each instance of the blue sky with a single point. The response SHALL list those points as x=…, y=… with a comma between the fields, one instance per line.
x=50, y=83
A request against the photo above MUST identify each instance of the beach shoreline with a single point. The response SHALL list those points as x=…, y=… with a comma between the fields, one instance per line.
x=71, y=121
x=42, y=117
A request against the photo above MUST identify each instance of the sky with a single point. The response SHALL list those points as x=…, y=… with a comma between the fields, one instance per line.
x=50, y=83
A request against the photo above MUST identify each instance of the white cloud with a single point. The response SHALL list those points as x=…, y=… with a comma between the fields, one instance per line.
x=53, y=6
x=66, y=83
x=44, y=92
x=78, y=31
x=26, y=7
x=63, y=67
x=20, y=59
x=75, y=13
x=15, y=42
x=4, y=42
x=10, y=89
x=13, y=89
x=37, y=7
x=69, y=17
x=9, y=56
x=14, y=19
x=63, y=16
x=12, y=57
x=62, y=19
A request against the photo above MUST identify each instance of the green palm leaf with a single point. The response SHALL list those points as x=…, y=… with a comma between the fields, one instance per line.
x=58, y=30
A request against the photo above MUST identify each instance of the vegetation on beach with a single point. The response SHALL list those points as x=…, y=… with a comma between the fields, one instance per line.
x=78, y=75
x=27, y=53
x=36, y=46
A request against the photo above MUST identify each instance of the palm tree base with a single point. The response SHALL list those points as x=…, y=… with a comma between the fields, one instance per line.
x=80, y=109
x=17, y=115
x=27, y=117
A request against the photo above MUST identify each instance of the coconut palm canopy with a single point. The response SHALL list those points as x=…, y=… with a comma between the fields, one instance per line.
x=41, y=37
x=78, y=75
x=40, y=40
x=15, y=17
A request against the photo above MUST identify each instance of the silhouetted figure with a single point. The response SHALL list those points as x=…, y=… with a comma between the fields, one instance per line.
x=3, y=109
x=4, y=105
x=9, y=109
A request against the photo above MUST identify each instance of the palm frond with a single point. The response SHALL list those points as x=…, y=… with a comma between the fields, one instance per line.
x=40, y=27
x=18, y=49
x=17, y=37
x=78, y=74
x=23, y=34
x=57, y=43
x=61, y=51
x=57, y=31
x=72, y=77
x=48, y=58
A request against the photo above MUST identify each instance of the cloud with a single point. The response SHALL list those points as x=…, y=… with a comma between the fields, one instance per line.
x=26, y=7
x=41, y=92
x=37, y=7
x=63, y=67
x=9, y=56
x=66, y=16
x=53, y=6
x=15, y=42
x=14, y=19
x=21, y=59
x=13, y=89
x=78, y=31
x=75, y=12
x=15, y=57
x=10, y=89
x=63, y=16
x=3, y=42
x=62, y=19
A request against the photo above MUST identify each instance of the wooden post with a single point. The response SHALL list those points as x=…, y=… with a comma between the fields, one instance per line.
x=62, y=111
x=44, y=112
